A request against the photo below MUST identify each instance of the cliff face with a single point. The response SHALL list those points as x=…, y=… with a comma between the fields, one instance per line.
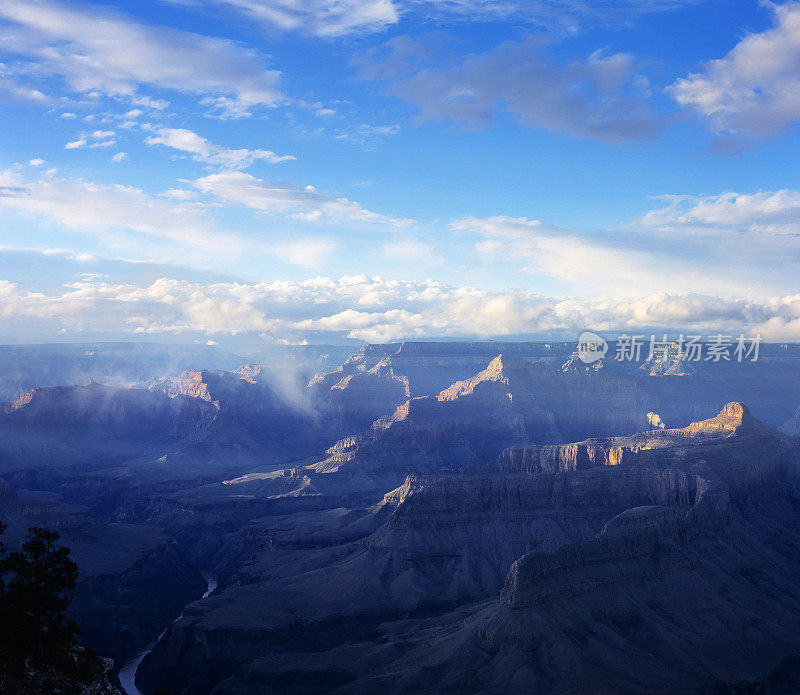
x=558, y=458
x=377, y=379
x=95, y=407
x=733, y=454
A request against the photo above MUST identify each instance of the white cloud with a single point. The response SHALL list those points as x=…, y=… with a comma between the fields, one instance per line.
x=591, y=263
x=127, y=221
x=36, y=162
x=554, y=15
x=150, y=103
x=204, y=151
x=82, y=142
x=12, y=89
x=65, y=253
x=755, y=89
x=374, y=309
x=367, y=134
x=119, y=156
x=277, y=197
x=97, y=51
x=601, y=97
x=98, y=138
x=180, y=194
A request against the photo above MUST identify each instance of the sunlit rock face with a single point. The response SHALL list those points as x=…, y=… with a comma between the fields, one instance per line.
x=468, y=423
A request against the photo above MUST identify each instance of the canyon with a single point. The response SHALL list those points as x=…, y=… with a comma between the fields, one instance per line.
x=419, y=517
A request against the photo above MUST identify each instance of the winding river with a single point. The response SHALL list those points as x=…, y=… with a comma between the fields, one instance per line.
x=127, y=673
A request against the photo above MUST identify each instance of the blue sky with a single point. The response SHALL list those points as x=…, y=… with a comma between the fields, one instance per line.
x=317, y=170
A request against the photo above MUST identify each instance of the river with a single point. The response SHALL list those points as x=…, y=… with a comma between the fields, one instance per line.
x=127, y=673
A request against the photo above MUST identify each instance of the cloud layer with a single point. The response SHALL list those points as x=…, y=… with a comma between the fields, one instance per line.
x=732, y=244
x=373, y=309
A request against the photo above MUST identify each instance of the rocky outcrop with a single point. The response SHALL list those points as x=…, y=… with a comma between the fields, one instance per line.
x=204, y=422
x=559, y=458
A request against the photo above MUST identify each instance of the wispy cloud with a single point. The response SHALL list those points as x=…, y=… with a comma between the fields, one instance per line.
x=552, y=15
x=326, y=18
x=97, y=138
x=733, y=245
x=95, y=208
x=172, y=227
x=202, y=150
x=95, y=50
x=762, y=214
x=277, y=197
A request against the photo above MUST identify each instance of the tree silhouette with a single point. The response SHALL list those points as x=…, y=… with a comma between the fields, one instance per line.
x=35, y=633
